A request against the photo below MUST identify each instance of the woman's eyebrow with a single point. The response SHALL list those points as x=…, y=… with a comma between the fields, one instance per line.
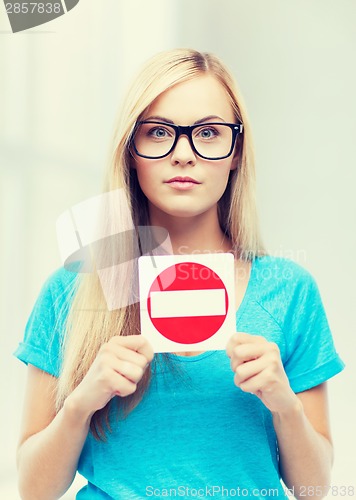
x=159, y=119
x=167, y=120
x=210, y=117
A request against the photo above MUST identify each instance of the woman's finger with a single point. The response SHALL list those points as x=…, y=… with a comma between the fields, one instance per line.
x=126, y=354
x=247, y=370
x=136, y=343
x=246, y=352
x=129, y=370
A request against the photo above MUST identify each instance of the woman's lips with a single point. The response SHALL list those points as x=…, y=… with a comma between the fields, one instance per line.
x=183, y=183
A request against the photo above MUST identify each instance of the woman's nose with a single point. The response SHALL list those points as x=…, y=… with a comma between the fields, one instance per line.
x=183, y=153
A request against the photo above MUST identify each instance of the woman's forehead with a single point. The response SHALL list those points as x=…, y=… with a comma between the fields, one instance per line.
x=191, y=100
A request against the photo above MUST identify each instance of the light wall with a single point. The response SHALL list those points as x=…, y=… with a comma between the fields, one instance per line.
x=60, y=87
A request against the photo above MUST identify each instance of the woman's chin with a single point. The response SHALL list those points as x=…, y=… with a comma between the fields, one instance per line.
x=183, y=212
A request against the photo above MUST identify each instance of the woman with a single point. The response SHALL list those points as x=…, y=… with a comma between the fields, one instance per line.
x=201, y=424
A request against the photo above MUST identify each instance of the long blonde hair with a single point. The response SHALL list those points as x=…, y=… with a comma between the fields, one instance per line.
x=89, y=322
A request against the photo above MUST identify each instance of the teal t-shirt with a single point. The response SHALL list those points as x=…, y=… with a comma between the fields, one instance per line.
x=195, y=434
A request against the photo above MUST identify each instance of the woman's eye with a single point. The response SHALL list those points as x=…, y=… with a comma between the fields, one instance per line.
x=207, y=133
x=158, y=133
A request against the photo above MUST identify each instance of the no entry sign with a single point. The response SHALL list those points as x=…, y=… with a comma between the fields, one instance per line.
x=187, y=301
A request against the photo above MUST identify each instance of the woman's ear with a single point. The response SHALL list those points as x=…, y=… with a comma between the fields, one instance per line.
x=235, y=161
x=237, y=154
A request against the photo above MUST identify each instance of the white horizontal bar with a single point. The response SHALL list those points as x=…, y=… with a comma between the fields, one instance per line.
x=180, y=303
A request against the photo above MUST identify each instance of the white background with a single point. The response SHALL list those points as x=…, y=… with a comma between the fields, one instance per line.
x=60, y=87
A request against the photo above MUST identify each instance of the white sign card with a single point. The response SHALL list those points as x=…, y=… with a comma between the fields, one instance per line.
x=187, y=302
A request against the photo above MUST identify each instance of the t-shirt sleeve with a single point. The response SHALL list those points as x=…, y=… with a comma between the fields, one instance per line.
x=44, y=332
x=311, y=355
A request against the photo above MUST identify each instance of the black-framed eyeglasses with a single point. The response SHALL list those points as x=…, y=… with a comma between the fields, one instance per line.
x=211, y=141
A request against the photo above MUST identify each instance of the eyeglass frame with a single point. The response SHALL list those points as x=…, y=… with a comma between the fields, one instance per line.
x=187, y=130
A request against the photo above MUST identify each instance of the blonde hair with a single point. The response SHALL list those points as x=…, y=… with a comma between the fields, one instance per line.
x=89, y=322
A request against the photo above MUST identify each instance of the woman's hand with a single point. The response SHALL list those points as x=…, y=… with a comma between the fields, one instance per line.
x=259, y=370
x=116, y=371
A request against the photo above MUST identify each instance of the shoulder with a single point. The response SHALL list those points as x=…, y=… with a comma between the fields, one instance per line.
x=62, y=279
x=279, y=268
x=58, y=289
x=284, y=288
x=46, y=326
x=280, y=274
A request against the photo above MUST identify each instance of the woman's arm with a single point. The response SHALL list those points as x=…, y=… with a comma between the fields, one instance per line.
x=300, y=421
x=50, y=443
x=304, y=442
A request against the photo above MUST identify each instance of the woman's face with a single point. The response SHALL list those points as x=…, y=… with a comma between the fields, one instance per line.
x=203, y=182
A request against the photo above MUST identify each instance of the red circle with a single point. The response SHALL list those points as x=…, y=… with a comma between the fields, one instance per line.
x=187, y=329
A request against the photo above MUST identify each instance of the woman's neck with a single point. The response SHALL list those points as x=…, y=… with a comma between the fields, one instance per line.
x=199, y=234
